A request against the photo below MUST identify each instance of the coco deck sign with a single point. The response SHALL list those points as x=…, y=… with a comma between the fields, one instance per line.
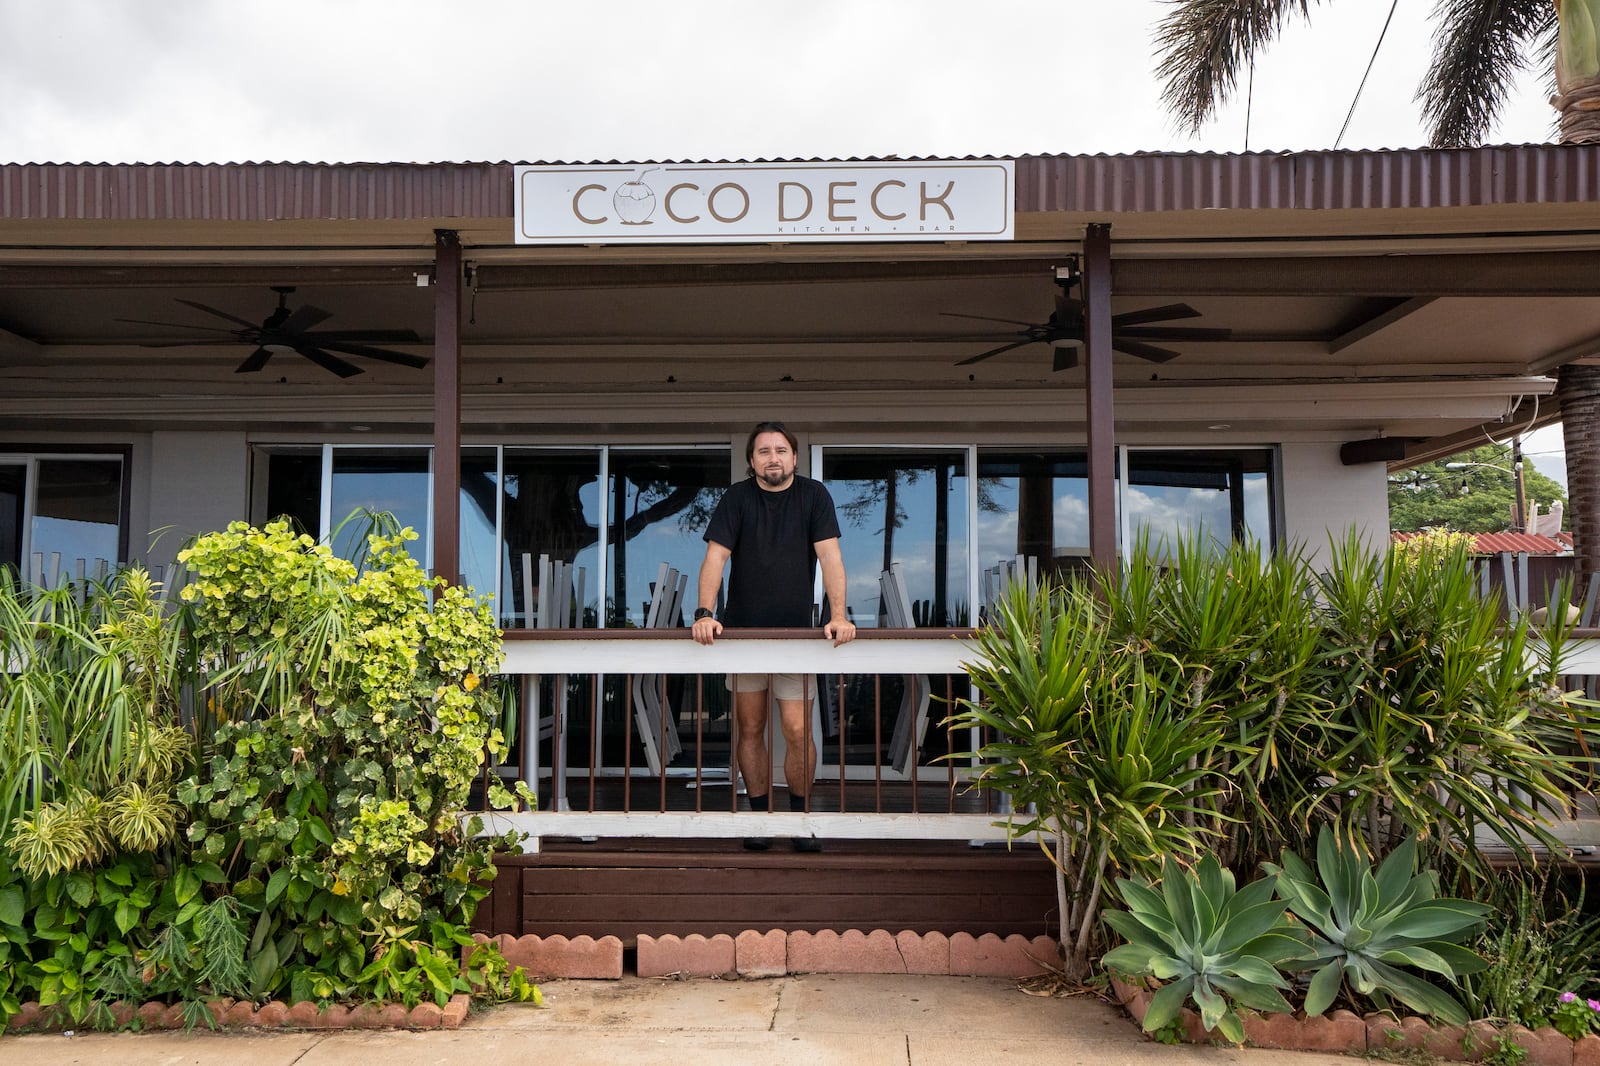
x=702, y=203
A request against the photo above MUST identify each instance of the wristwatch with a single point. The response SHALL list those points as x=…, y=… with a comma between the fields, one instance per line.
x=702, y=612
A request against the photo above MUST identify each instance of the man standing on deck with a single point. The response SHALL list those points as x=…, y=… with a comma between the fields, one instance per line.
x=774, y=526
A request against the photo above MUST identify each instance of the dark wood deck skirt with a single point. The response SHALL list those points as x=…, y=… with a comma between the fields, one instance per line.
x=625, y=888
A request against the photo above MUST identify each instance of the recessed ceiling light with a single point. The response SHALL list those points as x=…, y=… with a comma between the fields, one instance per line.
x=360, y=429
x=1219, y=425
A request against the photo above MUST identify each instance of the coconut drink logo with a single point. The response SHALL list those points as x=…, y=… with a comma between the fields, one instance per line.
x=635, y=201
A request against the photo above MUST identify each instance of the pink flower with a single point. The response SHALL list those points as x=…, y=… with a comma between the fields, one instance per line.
x=1569, y=997
x=1594, y=1004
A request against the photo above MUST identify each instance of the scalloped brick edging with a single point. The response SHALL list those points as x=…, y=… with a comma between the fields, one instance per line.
x=559, y=956
x=228, y=1014
x=1342, y=1032
x=776, y=953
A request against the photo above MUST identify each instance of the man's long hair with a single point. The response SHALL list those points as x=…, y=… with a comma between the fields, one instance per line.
x=767, y=427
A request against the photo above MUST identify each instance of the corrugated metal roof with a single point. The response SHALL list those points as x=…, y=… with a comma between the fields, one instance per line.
x=1494, y=543
x=1146, y=182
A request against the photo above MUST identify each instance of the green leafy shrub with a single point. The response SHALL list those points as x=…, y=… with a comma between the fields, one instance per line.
x=1212, y=944
x=354, y=724
x=245, y=794
x=1368, y=924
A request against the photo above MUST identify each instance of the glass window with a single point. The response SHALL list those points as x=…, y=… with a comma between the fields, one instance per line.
x=478, y=519
x=660, y=504
x=294, y=489
x=13, y=499
x=1034, y=504
x=77, y=508
x=1216, y=495
x=905, y=507
x=395, y=480
x=551, y=502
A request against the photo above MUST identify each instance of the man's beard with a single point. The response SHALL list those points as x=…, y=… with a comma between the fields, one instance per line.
x=774, y=480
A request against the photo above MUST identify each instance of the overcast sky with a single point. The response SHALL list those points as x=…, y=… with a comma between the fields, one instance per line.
x=589, y=80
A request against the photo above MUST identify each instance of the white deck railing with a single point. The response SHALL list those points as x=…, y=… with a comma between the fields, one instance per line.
x=566, y=654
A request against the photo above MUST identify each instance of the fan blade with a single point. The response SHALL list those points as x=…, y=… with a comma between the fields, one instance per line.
x=1164, y=313
x=303, y=318
x=178, y=325
x=981, y=356
x=384, y=354
x=1177, y=333
x=960, y=338
x=219, y=314
x=1066, y=359
x=384, y=336
x=256, y=360
x=1144, y=351
x=214, y=343
x=331, y=363
x=986, y=318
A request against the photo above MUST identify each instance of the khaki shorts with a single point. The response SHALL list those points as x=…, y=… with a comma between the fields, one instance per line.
x=784, y=686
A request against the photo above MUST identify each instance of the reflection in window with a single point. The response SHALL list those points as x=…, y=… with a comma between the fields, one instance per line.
x=1213, y=495
x=908, y=508
x=380, y=479
x=477, y=519
x=294, y=490
x=1034, y=504
x=77, y=508
x=551, y=502
x=660, y=504
x=13, y=498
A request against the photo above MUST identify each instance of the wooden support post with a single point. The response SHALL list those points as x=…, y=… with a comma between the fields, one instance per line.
x=1096, y=281
x=447, y=406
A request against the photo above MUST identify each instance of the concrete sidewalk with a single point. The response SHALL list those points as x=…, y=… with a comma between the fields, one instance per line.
x=859, y=1020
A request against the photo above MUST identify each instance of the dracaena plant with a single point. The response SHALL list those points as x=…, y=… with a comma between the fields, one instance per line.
x=1369, y=925
x=1211, y=943
x=1101, y=762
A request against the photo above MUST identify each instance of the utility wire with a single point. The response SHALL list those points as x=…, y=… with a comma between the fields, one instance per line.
x=1249, y=101
x=1351, y=113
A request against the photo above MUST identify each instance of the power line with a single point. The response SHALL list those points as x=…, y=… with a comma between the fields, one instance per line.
x=1351, y=113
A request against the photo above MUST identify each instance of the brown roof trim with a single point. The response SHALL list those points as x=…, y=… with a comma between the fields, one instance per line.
x=1154, y=182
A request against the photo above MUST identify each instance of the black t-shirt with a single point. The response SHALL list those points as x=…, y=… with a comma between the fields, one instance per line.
x=772, y=538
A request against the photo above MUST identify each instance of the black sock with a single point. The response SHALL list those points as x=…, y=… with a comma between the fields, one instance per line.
x=797, y=802
x=761, y=803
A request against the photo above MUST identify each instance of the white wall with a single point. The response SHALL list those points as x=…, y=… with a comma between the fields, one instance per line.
x=193, y=483
x=1323, y=498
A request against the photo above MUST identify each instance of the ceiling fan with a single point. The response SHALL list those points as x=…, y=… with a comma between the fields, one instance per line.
x=292, y=331
x=1131, y=331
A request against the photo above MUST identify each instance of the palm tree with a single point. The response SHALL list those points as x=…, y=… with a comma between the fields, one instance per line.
x=1479, y=47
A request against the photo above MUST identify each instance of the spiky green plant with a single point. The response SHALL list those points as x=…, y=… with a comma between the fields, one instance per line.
x=1453, y=723
x=91, y=740
x=1367, y=924
x=1105, y=763
x=1209, y=942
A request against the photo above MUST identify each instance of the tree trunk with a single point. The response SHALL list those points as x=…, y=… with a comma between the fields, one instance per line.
x=1578, y=387
x=1578, y=391
x=1577, y=76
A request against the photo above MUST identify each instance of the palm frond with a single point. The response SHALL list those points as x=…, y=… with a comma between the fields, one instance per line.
x=1202, y=46
x=1478, y=50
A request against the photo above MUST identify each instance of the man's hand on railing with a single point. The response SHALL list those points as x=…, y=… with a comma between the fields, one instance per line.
x=840, y=631
x=706, y=630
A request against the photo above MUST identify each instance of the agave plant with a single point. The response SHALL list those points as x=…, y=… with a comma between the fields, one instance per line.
x=1209, y=942
x=1368, y=924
